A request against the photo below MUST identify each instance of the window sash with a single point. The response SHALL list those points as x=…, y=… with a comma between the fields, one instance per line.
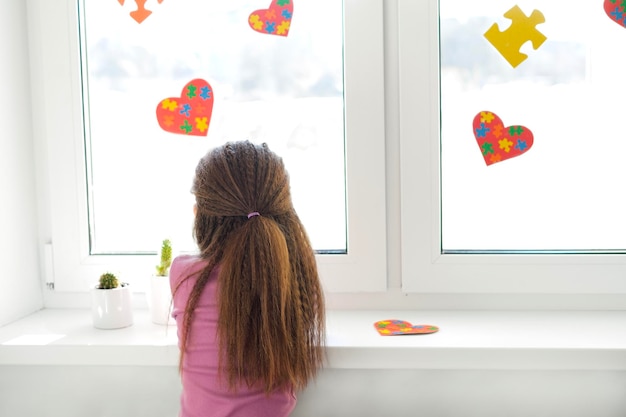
x=425, y=269
x=120, y=222
x=56, y=79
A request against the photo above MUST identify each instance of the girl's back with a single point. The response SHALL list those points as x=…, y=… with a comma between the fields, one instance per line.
x=204, y=394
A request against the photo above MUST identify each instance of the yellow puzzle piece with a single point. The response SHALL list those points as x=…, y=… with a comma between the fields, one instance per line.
x=522, y=30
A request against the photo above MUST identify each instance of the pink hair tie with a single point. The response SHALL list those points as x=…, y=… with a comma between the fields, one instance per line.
x=254, y=213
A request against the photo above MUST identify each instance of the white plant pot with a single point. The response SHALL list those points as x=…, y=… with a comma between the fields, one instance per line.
x=112, y=309
x=159, y=299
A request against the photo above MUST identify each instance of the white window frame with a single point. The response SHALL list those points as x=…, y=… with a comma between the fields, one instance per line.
x=58, y=124
x=425, y=269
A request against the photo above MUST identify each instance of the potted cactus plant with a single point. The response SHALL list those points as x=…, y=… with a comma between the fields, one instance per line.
x=163, y=268
x=160, y=294
x=111, y=303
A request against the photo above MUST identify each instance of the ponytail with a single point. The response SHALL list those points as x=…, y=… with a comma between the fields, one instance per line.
x=258, y=321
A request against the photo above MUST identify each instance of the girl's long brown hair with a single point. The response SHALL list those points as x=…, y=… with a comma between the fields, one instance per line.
x=271, y=306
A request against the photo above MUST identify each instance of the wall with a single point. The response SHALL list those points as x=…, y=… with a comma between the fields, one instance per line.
x=19, y=280
x=33, y=391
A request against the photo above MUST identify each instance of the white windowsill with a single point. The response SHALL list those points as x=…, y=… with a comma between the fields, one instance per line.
x=466, y=340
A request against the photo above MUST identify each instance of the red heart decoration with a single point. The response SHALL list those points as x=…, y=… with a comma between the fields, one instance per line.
x=400, y=327
x=617, y=12
x=189, y=114
x=498, y=143
x=274, y=21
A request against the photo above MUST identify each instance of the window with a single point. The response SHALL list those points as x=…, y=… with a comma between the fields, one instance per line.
x=560, y=196
x=565, y=233
x=437, y=90
x=356, y=226
x=286, y=91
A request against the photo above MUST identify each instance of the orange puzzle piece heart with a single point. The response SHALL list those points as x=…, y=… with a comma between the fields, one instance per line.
x=395, y=327
x=141, y=13
x=189, y=114
x=498, y=143
x=273, y=21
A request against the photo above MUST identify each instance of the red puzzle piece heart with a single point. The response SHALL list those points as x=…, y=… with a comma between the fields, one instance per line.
x=274, y=21
x=189, y=114
x=400, y=327
x=616, y=11
x=498, y=143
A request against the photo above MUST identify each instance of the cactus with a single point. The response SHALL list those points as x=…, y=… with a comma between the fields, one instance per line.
x=163, y=268
x=108, y=281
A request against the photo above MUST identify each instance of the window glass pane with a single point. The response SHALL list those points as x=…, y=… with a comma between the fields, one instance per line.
x=286, y=91
x=563, y=192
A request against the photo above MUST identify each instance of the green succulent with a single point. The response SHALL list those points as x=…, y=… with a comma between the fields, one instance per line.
x=108, y=281
x=163, y=268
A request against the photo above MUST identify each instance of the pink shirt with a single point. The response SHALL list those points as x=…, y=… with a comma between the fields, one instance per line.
x=203, y=395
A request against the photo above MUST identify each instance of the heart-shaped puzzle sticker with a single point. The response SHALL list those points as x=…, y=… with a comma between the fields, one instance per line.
x=616, y=10
x=395, y=327
x=189, y=114
x=274, y=21
x=498, y=143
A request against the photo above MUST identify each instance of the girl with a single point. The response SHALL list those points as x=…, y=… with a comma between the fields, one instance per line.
x=249, y=307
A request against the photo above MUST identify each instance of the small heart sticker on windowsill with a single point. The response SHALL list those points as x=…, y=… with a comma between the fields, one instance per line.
x=395, y=327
